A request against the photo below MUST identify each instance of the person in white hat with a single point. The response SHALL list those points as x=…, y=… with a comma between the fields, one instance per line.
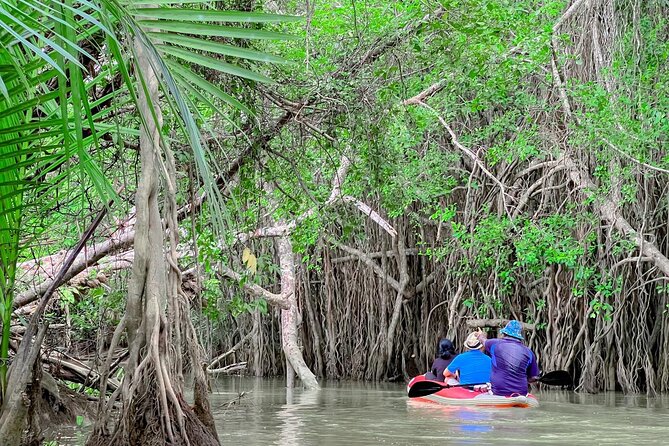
x=471, y=367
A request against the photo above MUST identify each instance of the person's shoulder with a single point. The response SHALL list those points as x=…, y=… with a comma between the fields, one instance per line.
x=482, y=356
x=459, y=356
x=531, y=352
x=514, y=341
x=454, y=362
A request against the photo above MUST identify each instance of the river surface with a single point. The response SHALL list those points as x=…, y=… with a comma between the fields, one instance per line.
x=357, y=413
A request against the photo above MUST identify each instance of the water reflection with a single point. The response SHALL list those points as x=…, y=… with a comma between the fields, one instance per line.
x=354, y=413
x=290, y=415
x=472, y=422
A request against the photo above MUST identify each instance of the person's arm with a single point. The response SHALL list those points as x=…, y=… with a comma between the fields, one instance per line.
x=448, y=374
x=483, y=338
x=533, y=372
x=487, y=345
x=452, y=369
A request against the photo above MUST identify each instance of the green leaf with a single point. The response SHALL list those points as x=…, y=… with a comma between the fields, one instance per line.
x=41, y=36
x=212, y=15
x=203, y=29
x=214, y=64
x=208, y=87
x=218, y=48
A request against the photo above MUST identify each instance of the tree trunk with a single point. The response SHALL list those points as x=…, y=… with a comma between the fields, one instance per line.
x=154, y=411
x=289, y=318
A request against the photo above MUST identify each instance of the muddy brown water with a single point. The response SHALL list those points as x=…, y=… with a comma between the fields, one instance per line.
x=358, y=413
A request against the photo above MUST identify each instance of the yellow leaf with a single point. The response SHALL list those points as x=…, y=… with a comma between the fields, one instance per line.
x=246, y=254
x=252, y=263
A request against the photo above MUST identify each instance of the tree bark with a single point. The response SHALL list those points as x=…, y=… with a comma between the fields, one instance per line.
x=154, y=411
x=289, y=318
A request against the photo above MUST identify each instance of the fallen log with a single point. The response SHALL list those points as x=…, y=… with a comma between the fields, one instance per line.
x=228, y=368
x=495, y=323
x=68, y=368
x=89, y=256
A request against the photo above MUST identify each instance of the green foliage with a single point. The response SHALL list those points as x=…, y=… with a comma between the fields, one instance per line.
x=216, y=306
x=238, y=305
x=306, y=235
x=211, y=294
x=90, y=391
x=88, y=310
x=511, y=250
x=548, y=242
x=216, y=302
x=600, y=308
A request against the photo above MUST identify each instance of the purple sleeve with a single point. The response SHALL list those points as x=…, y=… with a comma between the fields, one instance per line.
x=533, y=367
x=489, y=344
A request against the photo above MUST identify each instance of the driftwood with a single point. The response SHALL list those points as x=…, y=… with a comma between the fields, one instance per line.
x=66, y=367
x=228, y=368
x=89, y=256
x=236, y=347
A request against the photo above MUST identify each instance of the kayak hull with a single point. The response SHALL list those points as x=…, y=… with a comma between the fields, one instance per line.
x=461, y=396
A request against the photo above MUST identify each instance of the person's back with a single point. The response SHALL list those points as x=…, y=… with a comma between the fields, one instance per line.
x=438, y=367
x=446, y=355
x=472, y=367
x=513, y=364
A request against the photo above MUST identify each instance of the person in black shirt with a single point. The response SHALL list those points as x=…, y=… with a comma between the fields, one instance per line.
x=446, y=355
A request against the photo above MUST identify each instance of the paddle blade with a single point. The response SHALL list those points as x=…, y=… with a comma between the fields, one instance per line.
x=425, y=388
x=557, y=378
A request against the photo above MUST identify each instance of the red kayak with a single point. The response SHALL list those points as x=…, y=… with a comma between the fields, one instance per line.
x=462, y=396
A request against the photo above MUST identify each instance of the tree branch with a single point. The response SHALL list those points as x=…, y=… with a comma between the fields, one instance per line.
x=364, y=258
x=277, y=300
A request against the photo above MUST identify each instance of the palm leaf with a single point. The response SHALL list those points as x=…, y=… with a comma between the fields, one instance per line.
x=210, y=30
x=214, y=64
x=204, y=15
x=198, y=81
x=216, y=47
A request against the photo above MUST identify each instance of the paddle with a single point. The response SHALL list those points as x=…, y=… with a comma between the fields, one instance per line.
x=425, y=388
x=556, y=378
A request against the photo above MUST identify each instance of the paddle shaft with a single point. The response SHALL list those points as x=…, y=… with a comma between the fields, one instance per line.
x=425, y=388
x=448, y=386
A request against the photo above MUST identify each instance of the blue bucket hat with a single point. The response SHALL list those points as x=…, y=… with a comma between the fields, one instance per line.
x=514, y=329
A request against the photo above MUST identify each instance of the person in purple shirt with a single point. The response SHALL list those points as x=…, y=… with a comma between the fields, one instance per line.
x=446, y=355
x=514, y=366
